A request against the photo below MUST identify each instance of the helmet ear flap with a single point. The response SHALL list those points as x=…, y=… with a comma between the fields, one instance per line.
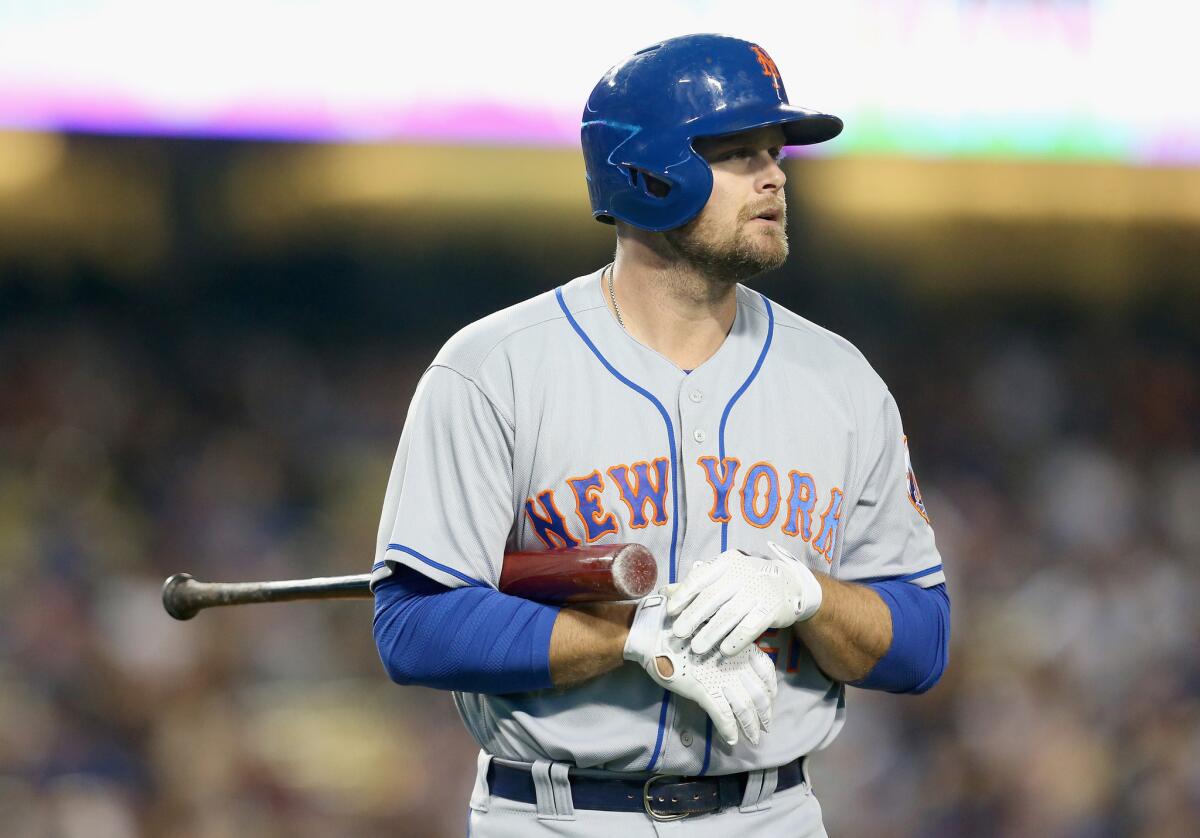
x=662, y=203
x=655, y=197
x=646, y=183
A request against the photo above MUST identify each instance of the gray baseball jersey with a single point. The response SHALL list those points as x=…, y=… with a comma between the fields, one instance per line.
x=547, y=425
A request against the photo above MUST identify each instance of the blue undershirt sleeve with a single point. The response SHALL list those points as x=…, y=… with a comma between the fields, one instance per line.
x=471, y=639
x=920, y=638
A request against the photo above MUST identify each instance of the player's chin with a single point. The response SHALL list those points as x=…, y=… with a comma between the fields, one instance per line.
x=768, y=243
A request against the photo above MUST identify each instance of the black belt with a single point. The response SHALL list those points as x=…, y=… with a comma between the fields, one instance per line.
x=662, y=796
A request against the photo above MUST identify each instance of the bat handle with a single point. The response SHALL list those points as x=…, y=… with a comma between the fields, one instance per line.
x=183, y=597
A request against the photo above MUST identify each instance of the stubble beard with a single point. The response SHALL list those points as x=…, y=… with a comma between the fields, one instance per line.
x=734, y=258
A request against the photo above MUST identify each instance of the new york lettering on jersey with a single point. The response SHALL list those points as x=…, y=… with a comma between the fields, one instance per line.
x=642, y=487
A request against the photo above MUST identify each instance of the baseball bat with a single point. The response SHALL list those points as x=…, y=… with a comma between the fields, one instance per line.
x=597, y=573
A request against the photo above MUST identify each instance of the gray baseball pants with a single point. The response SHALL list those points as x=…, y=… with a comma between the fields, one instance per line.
x=763, y=813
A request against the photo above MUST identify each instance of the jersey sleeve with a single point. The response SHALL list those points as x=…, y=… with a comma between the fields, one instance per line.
x=448, y=508
x=888, y=533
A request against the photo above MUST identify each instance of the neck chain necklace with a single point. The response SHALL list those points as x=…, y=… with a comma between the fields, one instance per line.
x=612, y=295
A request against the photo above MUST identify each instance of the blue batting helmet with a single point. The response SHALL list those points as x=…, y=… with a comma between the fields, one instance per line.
x=642, y=117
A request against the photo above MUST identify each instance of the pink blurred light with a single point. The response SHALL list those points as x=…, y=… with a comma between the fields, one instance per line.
x=107, y=112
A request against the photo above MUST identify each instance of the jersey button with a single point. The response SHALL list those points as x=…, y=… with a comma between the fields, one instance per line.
x=696, y=396
x=698, y=435
x=686, y=738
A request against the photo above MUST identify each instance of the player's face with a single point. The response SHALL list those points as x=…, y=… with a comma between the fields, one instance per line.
x=742, y=230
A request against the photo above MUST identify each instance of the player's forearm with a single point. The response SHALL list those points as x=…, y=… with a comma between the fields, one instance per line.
x=470, y=639
x=851, y=631
x=588, y=641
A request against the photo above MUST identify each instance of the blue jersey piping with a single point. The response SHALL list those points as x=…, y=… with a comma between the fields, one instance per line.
x=662, y=715
x=457, y=574
x=929, y=571
x=762, y=356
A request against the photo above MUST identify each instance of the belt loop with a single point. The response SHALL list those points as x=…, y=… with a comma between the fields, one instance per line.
x=481, y=795
x=760, y=787
x=540, y=770
x=560, y=785
x=770, y=782
x=553, y=792
x=754, y=784
x=805, y=773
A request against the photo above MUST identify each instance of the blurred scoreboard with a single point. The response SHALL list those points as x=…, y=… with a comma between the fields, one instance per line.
x=1061, y=79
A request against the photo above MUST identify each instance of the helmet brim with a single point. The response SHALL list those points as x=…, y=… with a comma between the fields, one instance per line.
x=800, y=125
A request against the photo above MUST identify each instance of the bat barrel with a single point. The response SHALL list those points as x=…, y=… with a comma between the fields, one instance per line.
x=634, y=572
x=595, y=573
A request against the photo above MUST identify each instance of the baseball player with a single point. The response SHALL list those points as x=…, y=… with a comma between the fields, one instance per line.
x=659, y=400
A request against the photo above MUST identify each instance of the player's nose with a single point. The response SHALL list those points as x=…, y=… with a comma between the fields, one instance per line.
x=771, y=176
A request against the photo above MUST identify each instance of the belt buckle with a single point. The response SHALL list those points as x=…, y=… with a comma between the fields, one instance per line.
x=648, y=804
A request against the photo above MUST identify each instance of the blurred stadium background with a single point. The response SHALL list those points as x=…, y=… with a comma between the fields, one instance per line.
x=232, y=237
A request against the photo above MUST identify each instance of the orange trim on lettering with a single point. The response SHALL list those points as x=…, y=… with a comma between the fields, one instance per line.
x=732, y=477
x=623, y=483
x=763, y=643
x=834, y=494
x=754, y=494
x=806, y=505
x=606, y=523
x=569, y=540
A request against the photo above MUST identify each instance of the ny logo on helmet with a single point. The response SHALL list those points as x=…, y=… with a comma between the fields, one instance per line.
x=768, y=64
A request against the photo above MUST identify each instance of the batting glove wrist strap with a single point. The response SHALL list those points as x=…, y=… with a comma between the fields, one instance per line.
x=647, y=637
x=805, y=592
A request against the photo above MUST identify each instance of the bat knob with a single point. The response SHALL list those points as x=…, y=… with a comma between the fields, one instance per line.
x=174, y=599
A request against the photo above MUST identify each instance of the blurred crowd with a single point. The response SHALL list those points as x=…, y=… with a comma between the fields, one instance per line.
x=1062, y=471
x=1060, y=463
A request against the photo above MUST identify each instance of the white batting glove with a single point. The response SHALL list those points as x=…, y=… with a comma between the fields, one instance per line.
x=741, y=596
x=734, y=691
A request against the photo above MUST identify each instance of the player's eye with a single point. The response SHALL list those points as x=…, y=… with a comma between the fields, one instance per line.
x=748, y=153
